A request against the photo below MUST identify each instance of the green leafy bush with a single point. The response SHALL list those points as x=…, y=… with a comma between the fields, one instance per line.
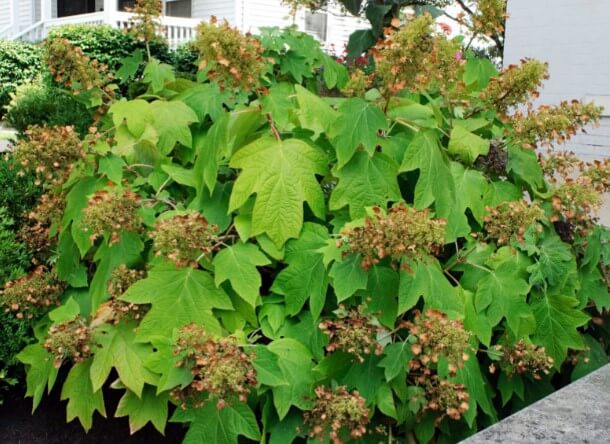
x=18, y=190
x=106, y=44
x=19, y=62
x=14, y=257
x=394, y=265
x=185, y=59
x=39, y=104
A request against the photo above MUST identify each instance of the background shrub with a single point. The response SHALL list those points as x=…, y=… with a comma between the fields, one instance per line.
x=185, y=59
x=18, y=191
x=19, y=62
x=39, y=104
x=14, y=257
x=18, y=194
x=108, y=45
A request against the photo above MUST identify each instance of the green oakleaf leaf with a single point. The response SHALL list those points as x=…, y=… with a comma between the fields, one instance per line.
x=218, y=426
x=479, y=390
x=502, y=293
x=41, y=373
x=178, y=297
x=295, y=361
x=268, y=371
x=358, y=125
x=427, y=279
x=435, y=183
x=83, y=401
x=171, y=120
x=348, y=277
x=382, y=289
x=157, y=74
x=305, y=277
x=117, y=349
x=149, y=407
x=205, y=100
x=130, y=65
x=279, y=105
x=364, y=182
x=282, y=174
x=466, y=145
x=126, y=251
x=314, y=113
x=163, y=362
x=557, y=321
x=524, y=166
x=396, y=358
x=237, y=264
x=112, y=167
x=479, y=71
x=555, y=261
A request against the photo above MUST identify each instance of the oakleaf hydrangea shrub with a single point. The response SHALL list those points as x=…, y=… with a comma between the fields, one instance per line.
x=262, y=262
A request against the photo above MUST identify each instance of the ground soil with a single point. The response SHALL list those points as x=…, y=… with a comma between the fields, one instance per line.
x=48, y=424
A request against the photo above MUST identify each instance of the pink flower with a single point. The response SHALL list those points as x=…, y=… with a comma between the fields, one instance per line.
x=445, y=28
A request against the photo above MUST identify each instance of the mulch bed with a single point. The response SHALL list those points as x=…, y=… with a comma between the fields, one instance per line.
x=48, y=424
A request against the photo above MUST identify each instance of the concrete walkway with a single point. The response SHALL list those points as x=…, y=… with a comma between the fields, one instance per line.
x=6, y=135
x=576, y=414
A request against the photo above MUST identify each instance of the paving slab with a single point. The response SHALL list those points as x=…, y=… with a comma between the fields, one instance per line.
x=576, y=414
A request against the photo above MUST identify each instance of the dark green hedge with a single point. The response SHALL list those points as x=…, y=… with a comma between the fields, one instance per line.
x=19, y=62
x=41, y=104
x=108, y=45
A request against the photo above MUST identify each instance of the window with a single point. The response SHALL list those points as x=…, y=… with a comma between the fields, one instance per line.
x=315, y=24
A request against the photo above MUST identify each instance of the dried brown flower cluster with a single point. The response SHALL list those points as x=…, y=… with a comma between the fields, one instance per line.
x=496, y=159
x=232, y=59
x=558, y=165
x=70, y=67
x=553, y=124
x=69, y=340
x=220, y=368
x=146, y=19
x=352, y=332
x=416, y=57
x=522, y=358
x=403, y=232
x=183, y=239
x=49, y=152
x=489, y=17
x=447, y=398
x=32, y=295
x=36, y=232
x=576, y=202
x=111, y=211
x=511, y=220
x=434, y=335
x=359, y=82
x=563, y=167
x=334, y=411
x=116, y=310
x=515, y=85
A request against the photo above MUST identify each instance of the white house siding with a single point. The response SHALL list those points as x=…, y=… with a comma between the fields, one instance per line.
x=221, y=9
x=256, y=14
x=573, y=38
x=5, y=13
x=26, y=14
x=340, y=27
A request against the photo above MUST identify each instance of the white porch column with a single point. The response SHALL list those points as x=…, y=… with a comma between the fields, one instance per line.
x=46, y=10
x=110, y=9
x=15, y=16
